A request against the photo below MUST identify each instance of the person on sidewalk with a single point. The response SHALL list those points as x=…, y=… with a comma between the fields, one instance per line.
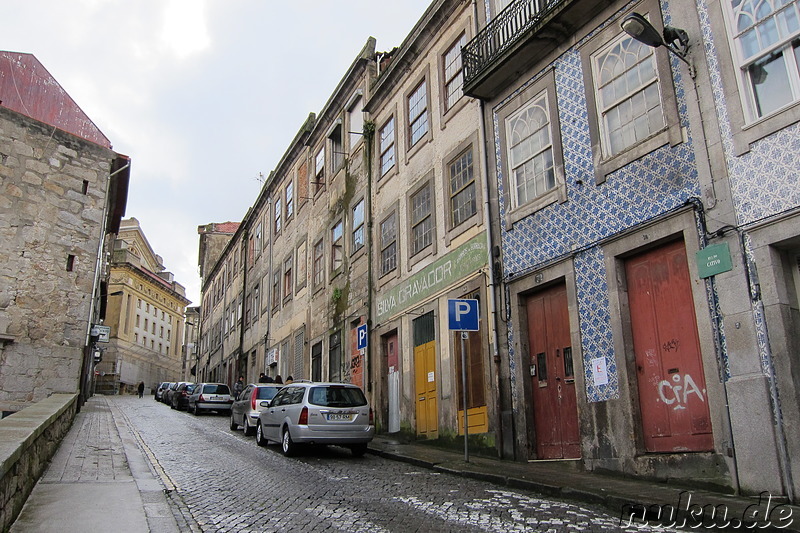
x=238, y=387
x=140, y=388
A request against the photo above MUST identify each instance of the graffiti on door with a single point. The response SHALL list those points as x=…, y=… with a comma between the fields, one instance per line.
x=677, y=390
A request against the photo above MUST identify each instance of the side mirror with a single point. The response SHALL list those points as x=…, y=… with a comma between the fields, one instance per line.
x=265, y=403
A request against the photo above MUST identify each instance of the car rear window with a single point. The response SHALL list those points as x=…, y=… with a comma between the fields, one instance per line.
x=267, y=393
x=216, y=389
x=333, y=396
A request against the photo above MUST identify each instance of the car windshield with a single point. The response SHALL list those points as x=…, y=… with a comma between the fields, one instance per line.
x=334, y=396
x=216, y=389
x=267, y=393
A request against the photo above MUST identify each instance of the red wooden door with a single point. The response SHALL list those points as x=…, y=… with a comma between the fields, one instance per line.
x=555, y=410
x=672, y=390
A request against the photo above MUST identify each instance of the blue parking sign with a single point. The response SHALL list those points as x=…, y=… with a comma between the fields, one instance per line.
x=462, y=314
x=361, y=337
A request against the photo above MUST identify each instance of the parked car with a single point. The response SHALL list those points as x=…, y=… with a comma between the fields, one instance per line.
x=254, y=398
x=210, y=397
x=159, y=395
x=170, y=391
x=180, y=397
x=317, y=413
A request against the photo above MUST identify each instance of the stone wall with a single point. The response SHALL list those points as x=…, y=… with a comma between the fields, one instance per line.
x=53, y=193
x=28, y=440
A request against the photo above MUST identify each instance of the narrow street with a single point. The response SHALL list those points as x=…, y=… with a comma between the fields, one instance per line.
x=222, y=481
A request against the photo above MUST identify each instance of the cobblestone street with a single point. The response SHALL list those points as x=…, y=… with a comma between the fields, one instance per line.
x=222, y=481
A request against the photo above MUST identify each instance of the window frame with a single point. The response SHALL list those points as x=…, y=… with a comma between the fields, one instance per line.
x=382, y=152
x=288, y=278
x=276, y=289
x=413, y=147
x=289, y=200
x=277, y=224
x=257, y=246
x=335, y=140
x=449, y=108
x=319, y=170
x=302, y=260
x=746, y=130
x=670, y=133
x=355, y=138
x=336, y=245
x=356, y=226
x=430, y=249
x=318, y=264
x=470, y=143
x=543, y=87
x=394, y=271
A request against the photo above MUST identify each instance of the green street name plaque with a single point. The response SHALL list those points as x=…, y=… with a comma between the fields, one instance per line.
x=458, y=264
x=713, y=260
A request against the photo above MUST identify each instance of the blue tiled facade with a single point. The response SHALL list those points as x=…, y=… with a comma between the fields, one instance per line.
x=740, y=176
x=655, y=184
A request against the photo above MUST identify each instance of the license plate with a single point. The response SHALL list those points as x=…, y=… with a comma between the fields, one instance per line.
x=339, y=417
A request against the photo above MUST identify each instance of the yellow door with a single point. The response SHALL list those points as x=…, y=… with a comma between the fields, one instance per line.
x=425, y=368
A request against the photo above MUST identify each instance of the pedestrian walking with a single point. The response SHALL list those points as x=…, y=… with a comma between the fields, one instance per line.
x=262, y=378
x=238, y=387
x=289, y=380
x=278, y=379
x=140, y=388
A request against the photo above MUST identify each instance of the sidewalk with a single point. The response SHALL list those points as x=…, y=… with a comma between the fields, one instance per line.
x=620, y=495
x=99, y=480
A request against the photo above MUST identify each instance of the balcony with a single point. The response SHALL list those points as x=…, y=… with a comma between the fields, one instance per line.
x=518, y=38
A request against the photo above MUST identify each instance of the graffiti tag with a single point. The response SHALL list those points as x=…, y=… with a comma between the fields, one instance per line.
x=671, y=346
x=677, y=391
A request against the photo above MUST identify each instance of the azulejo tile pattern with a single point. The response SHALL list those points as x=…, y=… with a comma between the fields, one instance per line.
x=657, y=183
x=760, y=321
x=766, y=180
x=717, y=326
x=595, y=317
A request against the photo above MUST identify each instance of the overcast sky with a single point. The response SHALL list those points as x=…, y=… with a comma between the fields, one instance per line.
x=202, y=95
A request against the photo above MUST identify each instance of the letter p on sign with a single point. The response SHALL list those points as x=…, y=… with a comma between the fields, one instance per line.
x=463, y=315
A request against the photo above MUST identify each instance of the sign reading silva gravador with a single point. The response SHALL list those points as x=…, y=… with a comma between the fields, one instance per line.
x=461, y=262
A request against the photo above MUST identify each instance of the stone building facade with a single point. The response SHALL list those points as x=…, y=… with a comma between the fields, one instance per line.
x=63, y=191
x=145, y=312
x=431, y=240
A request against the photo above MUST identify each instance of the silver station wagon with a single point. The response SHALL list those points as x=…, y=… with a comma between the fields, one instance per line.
x=320, y=414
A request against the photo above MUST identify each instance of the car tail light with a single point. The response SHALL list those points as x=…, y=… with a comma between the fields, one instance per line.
x=253, y=398
x=303, y=417
x=201, y=398
x=371, y=417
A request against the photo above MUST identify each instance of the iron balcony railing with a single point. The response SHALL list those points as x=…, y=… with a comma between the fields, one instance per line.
x=501, y=33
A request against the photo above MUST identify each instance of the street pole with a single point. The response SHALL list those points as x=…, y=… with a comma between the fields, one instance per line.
x=464, y=335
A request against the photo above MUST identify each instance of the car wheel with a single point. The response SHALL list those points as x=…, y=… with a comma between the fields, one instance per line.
x=358, y=450
x=195, y=410
x=234, y=425
x=288, y=446
x=248, y=429
x=172, y=406
x=260, y=439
